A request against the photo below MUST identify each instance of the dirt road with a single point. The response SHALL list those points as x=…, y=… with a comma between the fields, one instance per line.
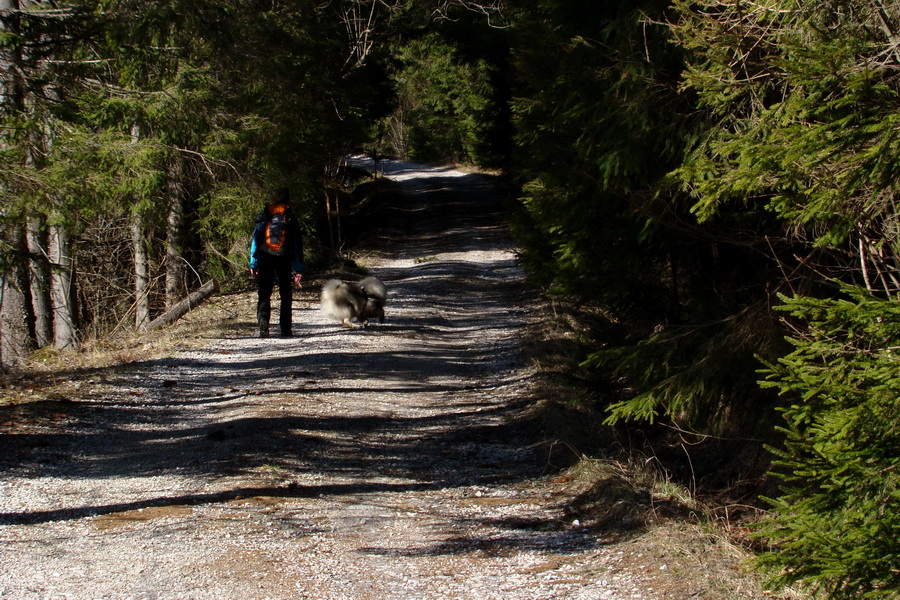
x=367, y=465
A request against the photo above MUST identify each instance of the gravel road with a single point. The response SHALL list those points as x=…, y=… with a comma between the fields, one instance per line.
x=372, y=464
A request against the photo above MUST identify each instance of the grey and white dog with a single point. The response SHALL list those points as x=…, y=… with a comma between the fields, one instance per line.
x=346, y=302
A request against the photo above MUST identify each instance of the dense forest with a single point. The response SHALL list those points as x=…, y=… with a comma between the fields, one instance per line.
x=711, y=183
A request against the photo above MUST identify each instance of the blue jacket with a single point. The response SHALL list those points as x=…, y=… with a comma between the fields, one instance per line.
x=293, y=241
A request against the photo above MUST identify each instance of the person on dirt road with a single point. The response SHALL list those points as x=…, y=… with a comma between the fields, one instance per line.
x=276, y=252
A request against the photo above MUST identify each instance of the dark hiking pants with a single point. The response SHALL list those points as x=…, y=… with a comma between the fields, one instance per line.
x=272, y=269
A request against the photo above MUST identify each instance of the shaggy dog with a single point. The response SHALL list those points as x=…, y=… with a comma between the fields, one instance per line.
x=345, y=302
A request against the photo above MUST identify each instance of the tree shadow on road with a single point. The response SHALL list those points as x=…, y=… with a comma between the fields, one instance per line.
x=459, y=349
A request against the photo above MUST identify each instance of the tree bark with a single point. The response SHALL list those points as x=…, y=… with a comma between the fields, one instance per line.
x=40, y=278
x=60, y=251
x=13, y=324
x=141, y=273
x=175, y=267
x=141, y=256
x=176, y=312
x=15, y=329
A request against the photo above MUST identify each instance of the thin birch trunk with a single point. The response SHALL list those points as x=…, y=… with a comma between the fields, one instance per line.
x=175, y=267
x=141, y=258
x=141, y=273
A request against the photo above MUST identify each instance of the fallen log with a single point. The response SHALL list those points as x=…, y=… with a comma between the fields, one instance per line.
x=176, y=312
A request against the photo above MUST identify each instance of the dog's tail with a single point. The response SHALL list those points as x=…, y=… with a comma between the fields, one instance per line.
x=374, y=288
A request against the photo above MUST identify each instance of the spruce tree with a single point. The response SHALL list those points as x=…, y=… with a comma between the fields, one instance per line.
x=802, y=101
x=601, y=124
x=836, y=527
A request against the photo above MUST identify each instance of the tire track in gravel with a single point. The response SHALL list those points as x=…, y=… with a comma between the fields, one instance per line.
x=365, y=464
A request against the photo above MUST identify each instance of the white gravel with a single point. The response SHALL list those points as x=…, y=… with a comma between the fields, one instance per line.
x=370, y=464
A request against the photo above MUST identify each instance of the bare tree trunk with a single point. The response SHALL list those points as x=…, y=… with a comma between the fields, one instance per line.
x=15, y=319
x=13, y=330
x=329, y=216
x=179, y=310
x=13, y=327
x=175, y=266
x=141, y=273
x=60, y=251
x=39, y=275
x=35, y=263
x=141, y=257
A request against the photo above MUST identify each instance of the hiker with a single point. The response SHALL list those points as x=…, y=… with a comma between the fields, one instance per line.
x=276, y=251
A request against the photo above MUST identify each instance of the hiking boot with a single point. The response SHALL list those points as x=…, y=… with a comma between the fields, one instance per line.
x=287, y=333
x=263, y=330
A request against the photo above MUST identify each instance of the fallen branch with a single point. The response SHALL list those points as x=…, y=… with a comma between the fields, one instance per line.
x=176, y=312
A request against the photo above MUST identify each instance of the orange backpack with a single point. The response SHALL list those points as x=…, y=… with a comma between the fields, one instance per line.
x=276, y=228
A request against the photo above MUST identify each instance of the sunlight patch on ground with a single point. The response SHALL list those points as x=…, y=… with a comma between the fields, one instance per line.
x=403, y=171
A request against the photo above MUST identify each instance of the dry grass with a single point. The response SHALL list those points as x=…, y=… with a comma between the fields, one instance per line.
x=663, y=536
